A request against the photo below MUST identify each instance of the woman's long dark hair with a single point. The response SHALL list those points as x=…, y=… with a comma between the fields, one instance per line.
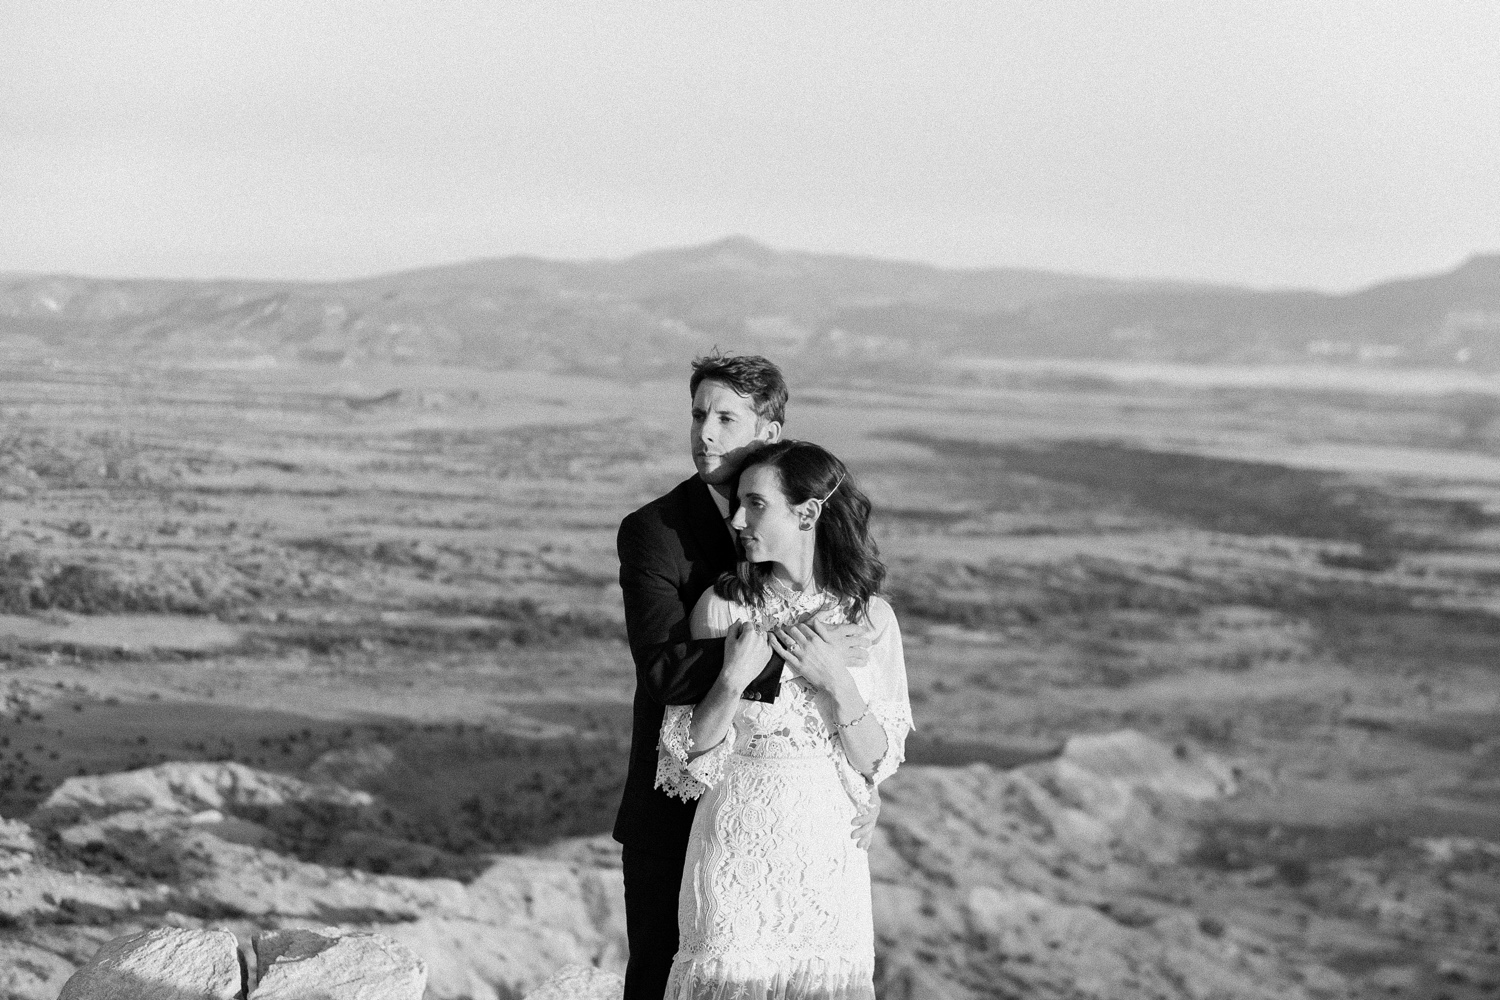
x=845, y=559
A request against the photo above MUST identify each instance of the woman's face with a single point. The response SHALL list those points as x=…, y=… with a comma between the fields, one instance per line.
x=769, y=529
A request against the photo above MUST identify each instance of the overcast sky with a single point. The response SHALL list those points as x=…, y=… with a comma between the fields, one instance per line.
x=1271, y=142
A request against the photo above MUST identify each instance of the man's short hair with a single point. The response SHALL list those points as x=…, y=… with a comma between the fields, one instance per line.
x=749, y=375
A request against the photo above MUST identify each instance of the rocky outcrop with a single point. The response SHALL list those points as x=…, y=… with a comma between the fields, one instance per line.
x=352, y=766
x=1051, y=880
x=173, y=843
x=16, y=845
x=328, y=963
x=580, y=982
x=167, y=963
x=1042, y=882
x=186, y=789
x=519, y=922
x=170, y=963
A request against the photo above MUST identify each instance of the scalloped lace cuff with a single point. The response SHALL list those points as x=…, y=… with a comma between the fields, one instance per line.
x=895, y=719
x=675, y=774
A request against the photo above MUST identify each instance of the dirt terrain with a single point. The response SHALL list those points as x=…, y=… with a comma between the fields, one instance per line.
x=402, y=580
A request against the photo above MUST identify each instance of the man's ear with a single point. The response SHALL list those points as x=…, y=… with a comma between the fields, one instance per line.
x=770, y=432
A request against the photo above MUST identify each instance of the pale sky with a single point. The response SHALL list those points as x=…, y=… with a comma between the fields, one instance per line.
x=1324, y=143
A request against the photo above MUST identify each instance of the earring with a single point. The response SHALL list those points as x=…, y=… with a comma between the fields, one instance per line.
x=806, y=524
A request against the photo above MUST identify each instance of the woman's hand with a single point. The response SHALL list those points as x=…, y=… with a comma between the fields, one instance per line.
x=820, y=653
x=823, y=654
x=747, y=650
x=746, y=653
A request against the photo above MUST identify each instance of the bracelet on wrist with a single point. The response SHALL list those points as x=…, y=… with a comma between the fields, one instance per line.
x=839, y=727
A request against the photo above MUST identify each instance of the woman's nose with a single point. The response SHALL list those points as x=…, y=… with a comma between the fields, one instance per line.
x=737, y=520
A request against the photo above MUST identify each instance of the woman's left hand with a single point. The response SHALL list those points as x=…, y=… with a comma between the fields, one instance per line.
x=820, y=653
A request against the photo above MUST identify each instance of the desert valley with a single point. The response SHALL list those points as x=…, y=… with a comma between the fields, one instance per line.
x=307, y=618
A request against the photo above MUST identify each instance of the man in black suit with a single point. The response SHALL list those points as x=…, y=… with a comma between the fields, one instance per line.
x=671, y=551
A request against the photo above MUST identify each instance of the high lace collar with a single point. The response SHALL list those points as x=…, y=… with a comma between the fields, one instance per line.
x=785, y=589
x=814, y=595
x=781, y=600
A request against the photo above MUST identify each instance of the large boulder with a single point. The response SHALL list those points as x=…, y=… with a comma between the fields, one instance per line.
x=167, y=963
x=329, y=964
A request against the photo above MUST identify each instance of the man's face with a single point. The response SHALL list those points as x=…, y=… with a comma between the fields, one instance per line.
x=724, y=431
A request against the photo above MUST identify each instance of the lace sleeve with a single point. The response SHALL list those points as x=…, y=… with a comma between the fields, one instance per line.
x=672, y=774
x=896, y=724
x=675, y=773
x=884, y=688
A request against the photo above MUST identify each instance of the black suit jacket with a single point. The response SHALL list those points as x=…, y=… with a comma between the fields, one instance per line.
x=671, y=551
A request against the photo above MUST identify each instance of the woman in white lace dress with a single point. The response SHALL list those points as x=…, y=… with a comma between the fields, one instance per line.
x=775, y=899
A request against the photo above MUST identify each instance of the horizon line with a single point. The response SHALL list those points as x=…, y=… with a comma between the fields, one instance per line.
x=758, y=244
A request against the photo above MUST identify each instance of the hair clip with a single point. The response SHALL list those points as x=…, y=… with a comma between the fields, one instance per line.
x=832, y=491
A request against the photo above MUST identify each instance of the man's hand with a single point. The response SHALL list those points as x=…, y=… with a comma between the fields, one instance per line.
x=864, y=822
x=823, y=653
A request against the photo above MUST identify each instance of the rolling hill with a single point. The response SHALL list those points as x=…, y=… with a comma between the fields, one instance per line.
x=646, y=313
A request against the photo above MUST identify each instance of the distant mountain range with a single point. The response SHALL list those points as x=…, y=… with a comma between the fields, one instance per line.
x=648, y=313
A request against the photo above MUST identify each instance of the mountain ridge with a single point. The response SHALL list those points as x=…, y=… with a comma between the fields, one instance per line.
x=642, y=313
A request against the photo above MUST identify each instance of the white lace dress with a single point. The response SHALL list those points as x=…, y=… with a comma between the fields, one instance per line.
x=775, y=900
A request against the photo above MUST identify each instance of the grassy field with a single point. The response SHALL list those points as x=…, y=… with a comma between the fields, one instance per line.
x=404, y=579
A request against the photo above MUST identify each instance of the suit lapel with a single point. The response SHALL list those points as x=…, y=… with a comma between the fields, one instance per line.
x=707, y=526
